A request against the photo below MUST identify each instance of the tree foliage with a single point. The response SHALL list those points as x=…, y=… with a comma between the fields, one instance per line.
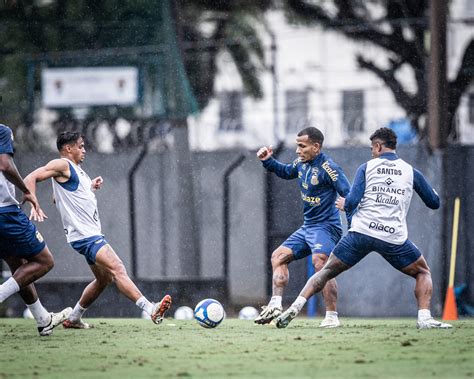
x=399, y=27
x=30, y=28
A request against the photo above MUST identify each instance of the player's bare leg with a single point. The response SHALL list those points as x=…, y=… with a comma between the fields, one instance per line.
x=93, y=290
x=315, y=284
x=110, y=268
x=423, y=291
x=281, y=257
x=329, y=293
x=46, y=321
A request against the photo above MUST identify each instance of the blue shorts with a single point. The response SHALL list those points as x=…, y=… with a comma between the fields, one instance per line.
x=18, y=235
x=88, y=247
x=313, y=239
x=355, y=246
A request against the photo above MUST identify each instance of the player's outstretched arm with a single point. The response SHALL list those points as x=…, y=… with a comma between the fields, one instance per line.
x=426, y=192
x=57, y=168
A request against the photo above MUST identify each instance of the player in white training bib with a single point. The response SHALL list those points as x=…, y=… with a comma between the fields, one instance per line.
x=76, y=202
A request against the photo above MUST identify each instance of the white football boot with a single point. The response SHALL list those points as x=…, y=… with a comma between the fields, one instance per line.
x=56, y=319
x=431, y=323
x=330, y=322
x=285, y=318
x=268, y=313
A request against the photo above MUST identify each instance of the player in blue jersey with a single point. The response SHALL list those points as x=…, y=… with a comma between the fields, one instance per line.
x=320, y=181
x=381, y=195
x=21, y=246
x=76, y=202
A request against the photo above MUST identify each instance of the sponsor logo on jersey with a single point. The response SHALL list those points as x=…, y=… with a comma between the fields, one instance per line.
x=381, y=227
x=388, y=163
x=388, y=171
x=304, y=185
x=331, y=172
x=318, y=246
x=313, y=200
x=396, y=191
x=382, y=199
x=99, y=241
x=389, y=181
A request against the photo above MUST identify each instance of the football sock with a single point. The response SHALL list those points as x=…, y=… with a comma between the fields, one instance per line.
x=77, y=313
x=8, y=288
x=41, y=315
x=299, y=303
x=275, y=301
x=331, y=314
x=424, y=314
x=144, y=304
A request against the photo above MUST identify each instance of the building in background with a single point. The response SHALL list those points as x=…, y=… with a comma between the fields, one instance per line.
x=318, y=81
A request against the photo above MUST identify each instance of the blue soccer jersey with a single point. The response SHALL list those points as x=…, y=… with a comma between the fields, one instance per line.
x=320, y=182
x=7, y=189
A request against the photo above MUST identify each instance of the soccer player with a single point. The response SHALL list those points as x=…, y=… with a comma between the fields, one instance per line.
x=76, y=202
x=320, y=181
x=381, y=195
x=21, y=246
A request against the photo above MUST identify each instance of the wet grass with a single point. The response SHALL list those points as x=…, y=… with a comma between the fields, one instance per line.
x=135, y=348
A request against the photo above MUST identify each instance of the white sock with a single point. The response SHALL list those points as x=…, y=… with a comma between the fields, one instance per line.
x=299, y=303
x=144, y=304
x=331, y=314
x=8, y=288
x=275, y=301
x=41, y=315
x=77, y=313
x=424, y=314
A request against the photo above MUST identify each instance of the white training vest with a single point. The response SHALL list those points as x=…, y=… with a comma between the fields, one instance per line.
x=7, y=192
x=384, y=206
x=77, y=206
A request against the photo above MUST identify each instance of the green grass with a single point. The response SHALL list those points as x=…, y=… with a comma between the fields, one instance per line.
x=135, y=348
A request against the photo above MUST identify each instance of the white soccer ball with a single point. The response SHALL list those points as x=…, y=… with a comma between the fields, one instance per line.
x=209, y=313
x=184, y=313
x=27, y=314
x=248, y=313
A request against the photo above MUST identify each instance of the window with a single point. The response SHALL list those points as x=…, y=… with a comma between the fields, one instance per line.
x=297, y=109
x=353, y=111
x=230, y=112
x=470, y=106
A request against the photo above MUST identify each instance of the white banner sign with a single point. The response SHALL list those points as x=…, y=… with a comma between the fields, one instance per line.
x=88, y=86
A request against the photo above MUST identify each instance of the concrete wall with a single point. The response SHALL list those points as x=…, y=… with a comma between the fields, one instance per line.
x=372, y=288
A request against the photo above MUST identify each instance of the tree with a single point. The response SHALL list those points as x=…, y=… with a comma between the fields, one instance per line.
x=34, y=28
x=400, y=28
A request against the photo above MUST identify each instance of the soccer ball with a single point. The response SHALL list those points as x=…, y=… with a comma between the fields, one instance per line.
x=209, y=313
x=27, y=314
x=184, y=313
x=248, y=313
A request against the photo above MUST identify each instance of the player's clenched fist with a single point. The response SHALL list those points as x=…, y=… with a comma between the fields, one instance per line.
x=264, y=153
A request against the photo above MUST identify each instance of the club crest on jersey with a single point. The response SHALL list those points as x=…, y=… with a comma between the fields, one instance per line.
x=314, y=179
x=39, y=237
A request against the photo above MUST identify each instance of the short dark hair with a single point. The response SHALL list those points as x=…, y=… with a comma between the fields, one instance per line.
x=314, y=135
x=67, y=138
x=387, y=136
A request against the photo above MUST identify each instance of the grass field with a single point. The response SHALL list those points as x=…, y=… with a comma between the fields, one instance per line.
x=135, y=348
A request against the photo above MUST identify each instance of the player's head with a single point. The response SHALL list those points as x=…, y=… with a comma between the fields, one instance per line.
x=383, y=140
x=71, y=145
x=309, y=142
